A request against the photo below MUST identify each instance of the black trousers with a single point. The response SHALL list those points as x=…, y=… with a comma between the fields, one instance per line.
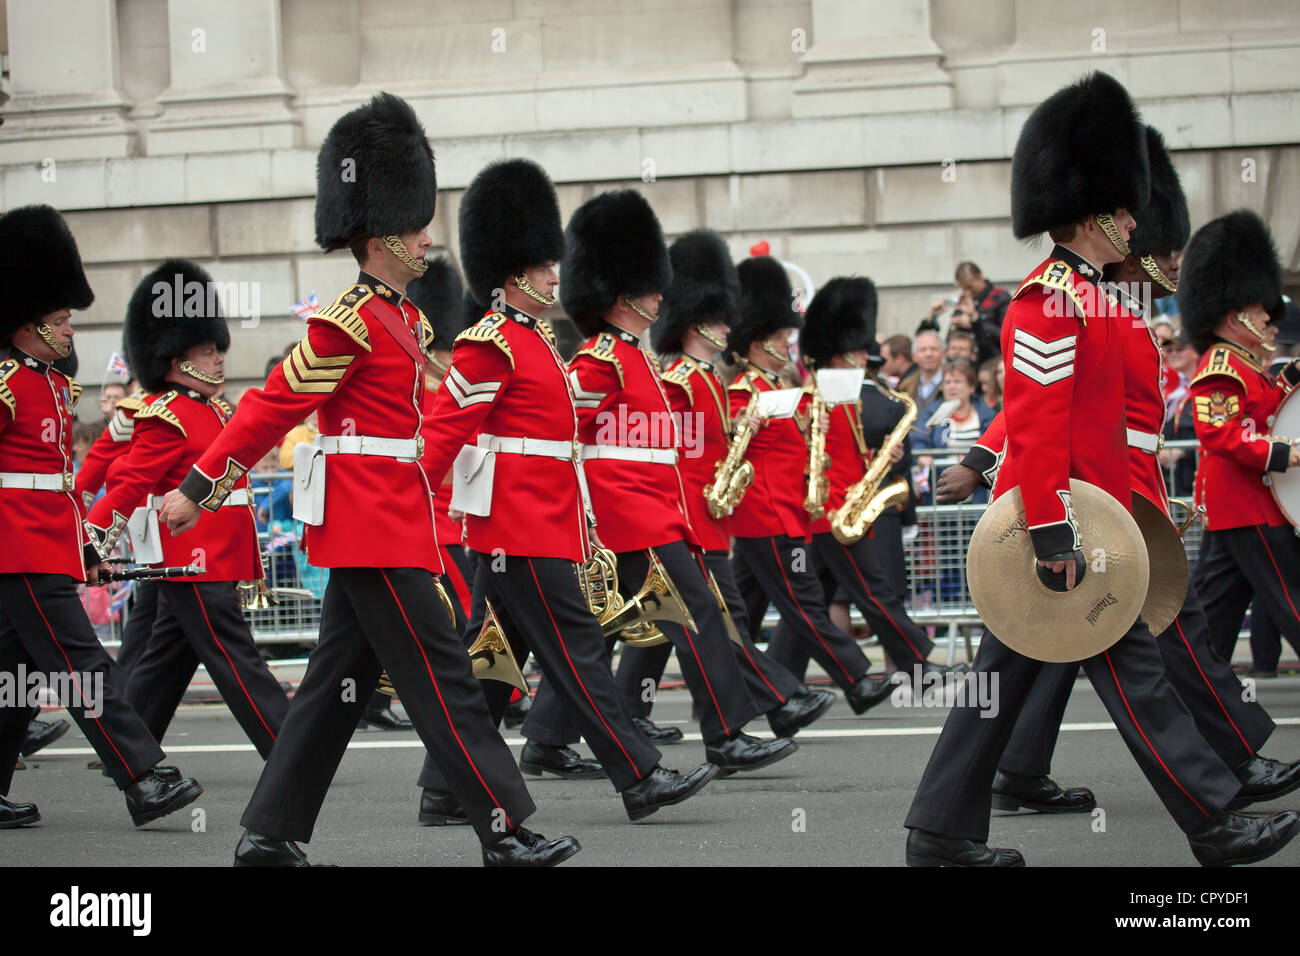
x=781, y=570
x=955, y=798
x=139, y=624
x=44, y=628
x=886, y=543
x=1237, y=564
x=640, y=669
x=203, y=622
x=708, y=665
x=855, y=569
x=1236, y=728
x=390, y=619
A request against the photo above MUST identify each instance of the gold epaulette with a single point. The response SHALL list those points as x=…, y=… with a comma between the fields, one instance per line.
x=158, y=409
x=1057, y=276
x=223, y=406
x=545, y=328
x=603, y=349
x=742, y=384
x=132, y=403
x=488, y=329
x=679, y=376
x=344, y=314
x=7, y=399
x=1219, y=364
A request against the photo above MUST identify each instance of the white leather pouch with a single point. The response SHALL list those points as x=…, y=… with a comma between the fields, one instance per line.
x=146, y=544
x=309, y=484
x=471, y=480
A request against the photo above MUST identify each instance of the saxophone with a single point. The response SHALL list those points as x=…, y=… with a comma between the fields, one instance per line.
x=865, y=500
x=732, y=474
x=815, y=501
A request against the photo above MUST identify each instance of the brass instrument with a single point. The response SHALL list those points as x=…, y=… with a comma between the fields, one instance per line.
x=631, y=620
x=1193, y=510
x=491, y=657
x=865, y=500
x=815, y=501
x=727, y=620
x=732, y=474
x=255, y=596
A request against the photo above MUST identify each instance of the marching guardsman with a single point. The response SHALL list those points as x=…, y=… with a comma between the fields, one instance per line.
x=43, y=624
x=368, y=510
x=1231, y=299
x=695, y=315
x=180, y=360
x=1079, y=166
x=771, y=551
x=527, y=515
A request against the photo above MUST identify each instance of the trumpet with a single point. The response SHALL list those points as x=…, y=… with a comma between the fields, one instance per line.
x=631, y=620
x=733, y=475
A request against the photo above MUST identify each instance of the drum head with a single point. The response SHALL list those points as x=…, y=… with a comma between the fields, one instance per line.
x=1285, y=485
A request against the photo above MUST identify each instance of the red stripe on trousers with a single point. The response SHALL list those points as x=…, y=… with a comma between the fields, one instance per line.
x=745, y=650
x=221, y=648
x=1277, y=571
x=1217, y=700
x=872, y=598
x=452, y=570
x=803, y=614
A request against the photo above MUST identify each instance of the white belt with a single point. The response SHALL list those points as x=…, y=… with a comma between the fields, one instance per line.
x=237, y=498
x=1145, y=441
x=653, y=456
x=540, y=447
x=403, y=449
x=33, y=482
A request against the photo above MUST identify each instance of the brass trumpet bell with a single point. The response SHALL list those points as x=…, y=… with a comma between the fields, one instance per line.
x=631, y=620
x=491, y=657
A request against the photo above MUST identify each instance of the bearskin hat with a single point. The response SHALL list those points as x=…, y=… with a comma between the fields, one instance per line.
x=1230, y=263
x=1164, y=223
x=704, y=288
x=841, y=318
x=766, y=303
x=173, y=309
x=40, y=266
x=613, y=247
x=509, y=221
x=374, y=175
x=438, y=293
x=1081, y=153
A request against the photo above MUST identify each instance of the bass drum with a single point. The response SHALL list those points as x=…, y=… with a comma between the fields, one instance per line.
x=1286, y=485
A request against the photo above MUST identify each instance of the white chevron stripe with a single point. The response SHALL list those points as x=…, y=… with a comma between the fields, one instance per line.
x=1042, y=378
x=457, y=390
x=582, y=398
x=120, y=427
x=1043, y=361
x=1035, y=342
x=470, y=388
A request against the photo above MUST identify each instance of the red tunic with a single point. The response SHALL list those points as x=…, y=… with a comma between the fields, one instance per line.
x=109, y=447
x=847, y=457
x=43, y=529
x=621, y=402
x=1144, y=399
x=773, y=504
x=361, y=369
x=699, y=395
x=1234, y=403
x=169, y=436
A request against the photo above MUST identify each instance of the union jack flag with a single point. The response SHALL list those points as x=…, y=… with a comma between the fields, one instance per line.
x=306, y=307
x=117, y=366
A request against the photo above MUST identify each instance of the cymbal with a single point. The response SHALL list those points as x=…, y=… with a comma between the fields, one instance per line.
x=1029, y=617
x=1167, y=588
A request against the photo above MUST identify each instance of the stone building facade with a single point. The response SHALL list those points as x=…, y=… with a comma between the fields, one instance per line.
x=855, y=136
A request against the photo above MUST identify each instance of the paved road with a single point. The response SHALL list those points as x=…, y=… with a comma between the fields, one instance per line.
x=839, y=801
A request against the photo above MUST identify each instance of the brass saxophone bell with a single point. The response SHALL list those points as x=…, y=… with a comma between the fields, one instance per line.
x=490, y=654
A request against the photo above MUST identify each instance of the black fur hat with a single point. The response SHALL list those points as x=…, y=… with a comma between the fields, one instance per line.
x=1081, y=153
x=704, y=288
x=1164, y=223
x=438, y=293
x=1229, y=264
x=509, y=221
x=613, y=247
x=766, y=303
x=40, y=266
x=841, y=318
x=173, y=309
x=374, y=175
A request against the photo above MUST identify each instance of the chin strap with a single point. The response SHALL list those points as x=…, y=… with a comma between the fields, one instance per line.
x=772, y=350
x=47, y=336
x=527, y=288
x=186, y=366
x=1249, y=323
x=398, y=248
x=639, y=309
x=854, y=363
x=1107, y=225
x=1153, y=270
x=709, y=336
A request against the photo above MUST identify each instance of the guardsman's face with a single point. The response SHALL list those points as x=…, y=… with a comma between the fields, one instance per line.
x=1170, y=263
x=417, y=243
x=544, y=278
x=209, y=360
x=1260, y=319
x=59, y=323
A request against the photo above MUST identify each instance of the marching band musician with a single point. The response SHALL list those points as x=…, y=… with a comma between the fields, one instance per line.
x=179, y=361
x=361, y=367
x=43, y=624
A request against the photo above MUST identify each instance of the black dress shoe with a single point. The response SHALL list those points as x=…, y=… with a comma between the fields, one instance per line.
x=930, y=849
x=523, y=847
x=944, y=669
x=153, y=796
x=169, y=774
x=384, y=718
x=41, y=733
x=656, y=734
x=517, y=712
x=440, y=808
x=561, y=761
x=1013, y=791
x=743, y=752
x=868, y=692
x=255, y=849
x=663, y=788
x=1263, y=779
x=1234, y=838
x=799, y=711
x=14, y=815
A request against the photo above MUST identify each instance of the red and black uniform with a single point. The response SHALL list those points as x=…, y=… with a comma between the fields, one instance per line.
x=43, y=624
x=455, y=563
x=631, y=442
x=198, y=619
x=1249, y=548
x=1064, y=411
x=361, y=369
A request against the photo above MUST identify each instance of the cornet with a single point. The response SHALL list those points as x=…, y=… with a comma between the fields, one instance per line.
x=631, y=620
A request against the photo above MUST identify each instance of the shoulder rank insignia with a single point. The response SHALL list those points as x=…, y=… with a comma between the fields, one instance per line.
x=305, y=371
x=1220, y=363
x=680, y=376
x=158, y=409
x=7, y=399
x=344, y=314
x=603, y=349
x=426, y=333
x=488, y=329
x=1216, y=408
x=1057, y=276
